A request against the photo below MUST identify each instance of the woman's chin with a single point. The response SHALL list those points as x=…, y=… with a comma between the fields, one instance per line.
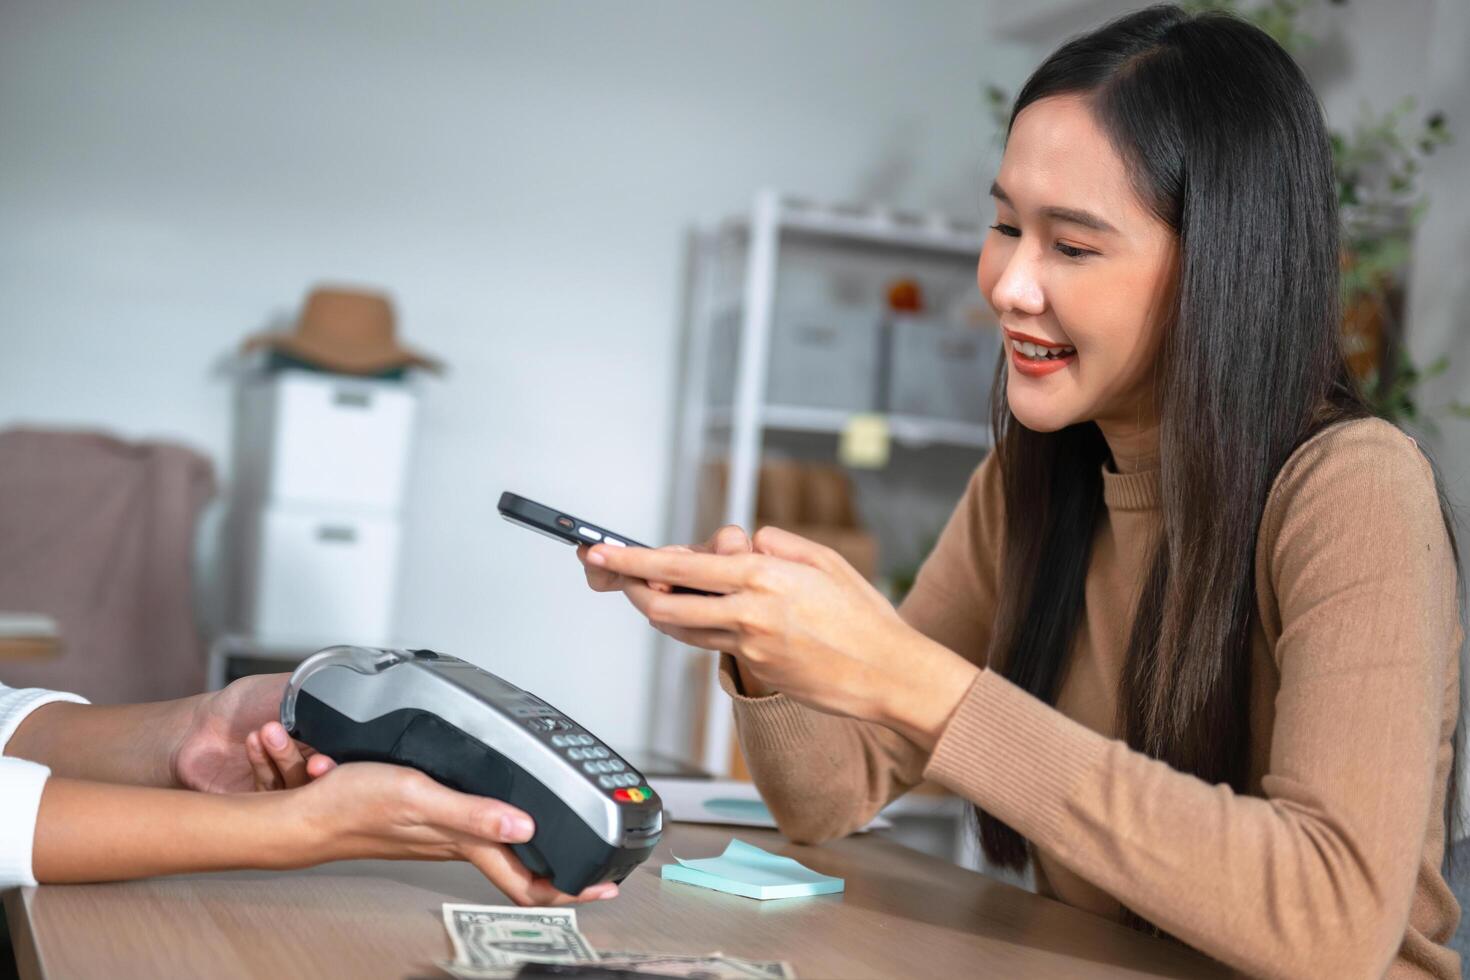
x=1040, y=418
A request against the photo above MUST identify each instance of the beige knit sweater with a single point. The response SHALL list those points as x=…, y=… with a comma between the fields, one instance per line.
x=1330, y=865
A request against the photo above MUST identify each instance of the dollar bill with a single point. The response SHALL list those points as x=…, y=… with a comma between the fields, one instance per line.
x=499, y=938
x=711, y=966
x=476, y=973
x=492, y=942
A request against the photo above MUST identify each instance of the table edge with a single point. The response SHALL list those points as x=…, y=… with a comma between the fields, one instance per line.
x=22, y=939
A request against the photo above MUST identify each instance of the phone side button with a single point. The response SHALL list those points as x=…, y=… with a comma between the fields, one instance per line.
x=589, y=534
x=614, y=541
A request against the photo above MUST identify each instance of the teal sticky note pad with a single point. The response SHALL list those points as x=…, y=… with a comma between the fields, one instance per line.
x=745, y=869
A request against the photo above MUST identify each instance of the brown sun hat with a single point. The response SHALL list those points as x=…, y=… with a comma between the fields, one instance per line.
x=349, y=331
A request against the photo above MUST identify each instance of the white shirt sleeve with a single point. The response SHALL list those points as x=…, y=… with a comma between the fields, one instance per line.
x=21, y=783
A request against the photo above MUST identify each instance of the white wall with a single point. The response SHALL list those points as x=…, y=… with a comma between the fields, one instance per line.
x=519, y=174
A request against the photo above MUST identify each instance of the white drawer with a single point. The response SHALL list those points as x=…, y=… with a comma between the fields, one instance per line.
x=312, y=438
x=317, y=576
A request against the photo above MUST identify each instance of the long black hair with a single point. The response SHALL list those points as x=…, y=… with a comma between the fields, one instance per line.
x=1228, y=147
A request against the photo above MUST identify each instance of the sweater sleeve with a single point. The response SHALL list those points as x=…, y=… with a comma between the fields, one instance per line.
x=862, y=766
x=21, y=783
x=1315, y=877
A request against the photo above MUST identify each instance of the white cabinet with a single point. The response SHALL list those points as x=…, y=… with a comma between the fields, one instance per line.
x=315, y=577
x=327, y=439
x=321, y=463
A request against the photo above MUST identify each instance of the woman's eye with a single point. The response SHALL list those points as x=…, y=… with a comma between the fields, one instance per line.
x=1070, y=251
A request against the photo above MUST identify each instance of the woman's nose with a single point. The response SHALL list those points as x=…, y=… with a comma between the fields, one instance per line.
x=1019, y=288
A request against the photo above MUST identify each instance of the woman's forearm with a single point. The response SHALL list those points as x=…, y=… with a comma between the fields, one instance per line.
x=125, y=743
x=89, y=831
x=919, y=705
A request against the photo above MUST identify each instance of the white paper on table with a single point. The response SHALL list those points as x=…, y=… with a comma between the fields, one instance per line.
x=723, y=801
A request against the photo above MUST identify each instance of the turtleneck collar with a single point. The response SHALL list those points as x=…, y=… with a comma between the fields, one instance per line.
x=1138, y=490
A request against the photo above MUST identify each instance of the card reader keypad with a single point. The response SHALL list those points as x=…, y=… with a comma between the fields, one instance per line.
x=591, y=756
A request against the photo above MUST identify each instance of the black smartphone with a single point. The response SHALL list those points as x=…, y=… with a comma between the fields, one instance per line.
x=561, y=526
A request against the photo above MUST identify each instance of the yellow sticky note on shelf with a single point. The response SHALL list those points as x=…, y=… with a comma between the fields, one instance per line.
x=864, y=442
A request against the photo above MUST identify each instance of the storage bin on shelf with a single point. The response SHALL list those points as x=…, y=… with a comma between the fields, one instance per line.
x=940, y=369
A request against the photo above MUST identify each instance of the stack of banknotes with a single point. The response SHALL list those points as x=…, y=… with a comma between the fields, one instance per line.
x=493, y=942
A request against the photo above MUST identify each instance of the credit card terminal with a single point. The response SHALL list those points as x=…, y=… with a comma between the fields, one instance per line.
x=596, y=817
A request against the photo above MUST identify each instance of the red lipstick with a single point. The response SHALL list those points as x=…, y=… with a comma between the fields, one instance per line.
x=1035, y=367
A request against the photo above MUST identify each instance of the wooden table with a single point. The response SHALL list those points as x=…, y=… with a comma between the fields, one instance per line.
x=904, y=914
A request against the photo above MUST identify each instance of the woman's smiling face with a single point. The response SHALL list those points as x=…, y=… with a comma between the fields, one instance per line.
x=1076, y=263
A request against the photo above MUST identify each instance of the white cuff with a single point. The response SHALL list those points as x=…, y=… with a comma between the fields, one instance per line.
x=16, y=705
x=21, y=783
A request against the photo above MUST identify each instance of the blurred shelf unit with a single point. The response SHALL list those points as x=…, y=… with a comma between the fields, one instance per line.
x=849, y=225
x=755, y=368
x=910, y=430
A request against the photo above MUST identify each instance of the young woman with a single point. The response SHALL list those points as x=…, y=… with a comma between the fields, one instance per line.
x=1190, y=640
x=98, y=793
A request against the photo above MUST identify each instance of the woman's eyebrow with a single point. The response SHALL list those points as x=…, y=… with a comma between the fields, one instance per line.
x=1072, y=215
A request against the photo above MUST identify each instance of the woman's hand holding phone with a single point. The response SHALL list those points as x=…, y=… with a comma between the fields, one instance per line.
x=728, y=540
x=798, y=618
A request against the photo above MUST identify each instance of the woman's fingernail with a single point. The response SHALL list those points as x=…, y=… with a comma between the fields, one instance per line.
x=596, y=557
x=515, y=828
x=611, y=891
x=276, y=736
